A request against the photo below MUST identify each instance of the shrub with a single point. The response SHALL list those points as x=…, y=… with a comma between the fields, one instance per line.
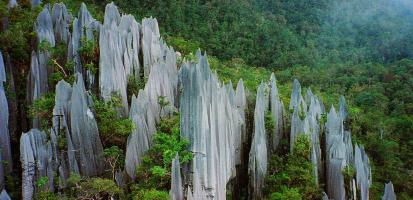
x=151, y=194
x=110, y=123
x=42, y=108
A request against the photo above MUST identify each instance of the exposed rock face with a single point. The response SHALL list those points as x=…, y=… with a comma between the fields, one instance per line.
x=213, y=125
x=4, y=195
x=38, y=78
x=84, y=29
x=299, y=121
x=84, y=132
x=74, y=123
x=176, y=180
x=363, y=172
x=139, y=141
x=35, y=3
x=340, y=153
x=389, y=192
x=145, y=110
x=277, y=112
x=258, y=155
x=119, y=48
x=61, y=20
x=36, y=159
x=150, y=44
x=5, y=148
x=12, y=4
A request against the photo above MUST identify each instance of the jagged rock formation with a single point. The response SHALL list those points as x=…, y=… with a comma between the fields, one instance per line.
x=389, y=192
x=176, y=192
x=363, y=171
x=162, y=81
x=38, y=78
x=5, y=148
x=119, y=47
x=150, y=44
x=4, y=195
x=340, y=153
x=61, y=20
x=36, y=159
x=74, y=122
x=258, y=155
x=139, y=141
x=213, y=124
x=277, y=112
x=35, y=3
x=12, y=4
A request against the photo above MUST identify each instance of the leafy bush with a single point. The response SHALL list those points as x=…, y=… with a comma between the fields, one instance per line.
x=42, y=108
x=291, y=176
x=269, y=123
x=151, y=194
x=154, y=171
x=98, y=188
x=115, y=157
x=110, y=123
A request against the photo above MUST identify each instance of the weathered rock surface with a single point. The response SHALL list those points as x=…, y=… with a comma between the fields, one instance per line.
x=5, y=148
x=36, y=159
x=257, y=166
x=12, y=4
x=213, y=125
x=139, y=141
x=277, y=112
x=389, y=192
x=84, y=132
x=176, y=192
x=363, y=172
x=4, y=195
x=119, y=49
x=61, y=23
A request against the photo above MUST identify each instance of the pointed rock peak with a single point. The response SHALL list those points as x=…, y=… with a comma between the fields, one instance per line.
x=2, y=70
x=112, y=15
x=342, y=107
x=176, y=192
x=35, y=3
x=4, y=195
x=296, y=85
x=389, y=192
x=44, y=27
x=12, y=4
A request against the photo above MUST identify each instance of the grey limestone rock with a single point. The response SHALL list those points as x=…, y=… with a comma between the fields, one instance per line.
x=36, y=159
x=211, y=121
x=176, y=192
x=84, y=132
x=4, y=195
x=140, y=139
x=363, y=171
x=61, y=23
x=389, y=192
x=277, y=112
x=5, y=148
x=257, y=166
x=35, y=3
x=12, y=4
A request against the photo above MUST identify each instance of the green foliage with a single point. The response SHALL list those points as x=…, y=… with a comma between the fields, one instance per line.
x=89, y=54
x=154, y=171
x=46, y=195
x=115, y=157
x=98, y=188
x=110, y=123
x=151, y=194
x=269, y=123
x=286, y=194
x=42, y=181
x=43, y=109
x=134, y=85
x=292, y=175
x=182, y=45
